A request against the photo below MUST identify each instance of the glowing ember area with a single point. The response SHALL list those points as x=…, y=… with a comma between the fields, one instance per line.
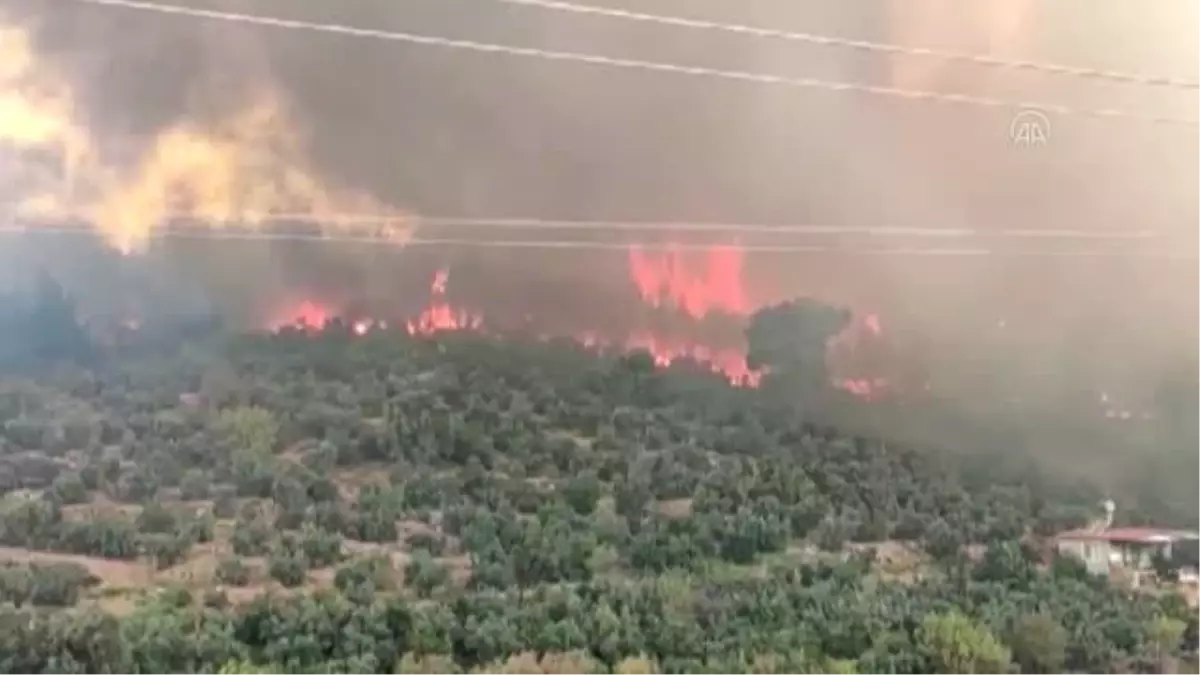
x=848, y=348
x=364, y=326
x=871, y=389
x=1113, y=411
x=306, y=315
x=440, y=316
x=731, y=363
x=711, y=284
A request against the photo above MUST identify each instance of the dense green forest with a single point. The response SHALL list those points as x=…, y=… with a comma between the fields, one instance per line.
x=388, y=504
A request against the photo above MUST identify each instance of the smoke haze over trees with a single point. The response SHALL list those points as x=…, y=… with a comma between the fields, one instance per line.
x=421, y=130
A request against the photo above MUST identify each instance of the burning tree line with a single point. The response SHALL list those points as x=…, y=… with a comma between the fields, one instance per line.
x=41, y=326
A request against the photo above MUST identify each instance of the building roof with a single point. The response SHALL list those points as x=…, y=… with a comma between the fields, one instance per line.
x=1129, y=535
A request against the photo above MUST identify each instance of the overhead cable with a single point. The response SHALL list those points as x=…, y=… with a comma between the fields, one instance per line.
x=861, y=45
x=365, y=220
x=633, y=64
x=401, y=243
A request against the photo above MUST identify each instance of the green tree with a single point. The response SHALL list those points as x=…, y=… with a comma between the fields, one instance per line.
x=249, y=430
x=1039, y=644
x=583, y=491
x=424, y=574
x=790, y=339
x=288, y=569
x=1164, y=637
x=953, y=643
x=194, y=485
x=69, y=488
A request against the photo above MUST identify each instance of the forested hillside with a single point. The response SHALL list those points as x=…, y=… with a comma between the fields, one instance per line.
x=328, y=502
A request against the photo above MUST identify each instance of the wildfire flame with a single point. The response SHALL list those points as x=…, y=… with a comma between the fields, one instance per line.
x=666, y=279
x=237, y=171
x=663, y=281
x=440, y=315
x=306, y=314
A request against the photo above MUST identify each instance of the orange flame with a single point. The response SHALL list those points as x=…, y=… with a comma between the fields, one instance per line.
x=667, y=279
x=662, y=281
x=235, y=172
x=306, y=314
x=440, y=316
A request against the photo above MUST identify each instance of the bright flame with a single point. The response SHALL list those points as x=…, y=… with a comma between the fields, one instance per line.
x=440, y=316
x=306, y=315
x=668, y=279
x=248, y=167
x=42, y=145
x=729, y=362
x=238, y=171
x=679, y=289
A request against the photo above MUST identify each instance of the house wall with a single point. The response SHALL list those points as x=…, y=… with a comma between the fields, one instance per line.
x=1101, y=556
x=1096, y=555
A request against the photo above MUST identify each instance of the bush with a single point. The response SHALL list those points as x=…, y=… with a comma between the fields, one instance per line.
x=156, y=519
x=954, y=644
x=224, y=501
x=215, y=599
x=423, y=574
x=289, y=569
x=50, y=584
x=428, y=541
x=320, y=547
x=251, y=538
x=199, y=528
x=583, y=492
x=106, y=537
x=195, y=484
x=69, y=488
x=166, y=550
x=1039, y=644
x=362, y=578
x=232, y=572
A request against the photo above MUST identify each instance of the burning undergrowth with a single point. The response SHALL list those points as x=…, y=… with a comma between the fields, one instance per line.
x=689, y=307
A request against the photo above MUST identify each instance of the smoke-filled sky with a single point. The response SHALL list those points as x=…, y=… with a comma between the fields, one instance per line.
x=235, y=117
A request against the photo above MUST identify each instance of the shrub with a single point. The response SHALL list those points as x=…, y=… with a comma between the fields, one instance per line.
x=233, y=572
x=166, y=550
x=69, y=488
x=195, y=484
x=289, y=569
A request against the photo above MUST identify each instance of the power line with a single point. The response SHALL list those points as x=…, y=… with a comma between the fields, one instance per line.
x=787, y=229
x=530, y=52
x=252, y=235
x=861, y=45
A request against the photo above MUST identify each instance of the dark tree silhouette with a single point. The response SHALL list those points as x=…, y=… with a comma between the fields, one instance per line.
x=790, y=338
x=41, y=327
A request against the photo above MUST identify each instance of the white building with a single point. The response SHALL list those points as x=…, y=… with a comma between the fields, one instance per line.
x=1132, y=548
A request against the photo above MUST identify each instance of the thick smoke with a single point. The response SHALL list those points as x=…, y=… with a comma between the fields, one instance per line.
x=240, y=118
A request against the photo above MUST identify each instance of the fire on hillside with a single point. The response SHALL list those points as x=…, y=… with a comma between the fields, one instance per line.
x=705, y=289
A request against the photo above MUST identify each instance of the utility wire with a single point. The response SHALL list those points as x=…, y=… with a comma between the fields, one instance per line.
x=861, y=45
x=530, y=52
x=414, y=221
x=401, y=243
